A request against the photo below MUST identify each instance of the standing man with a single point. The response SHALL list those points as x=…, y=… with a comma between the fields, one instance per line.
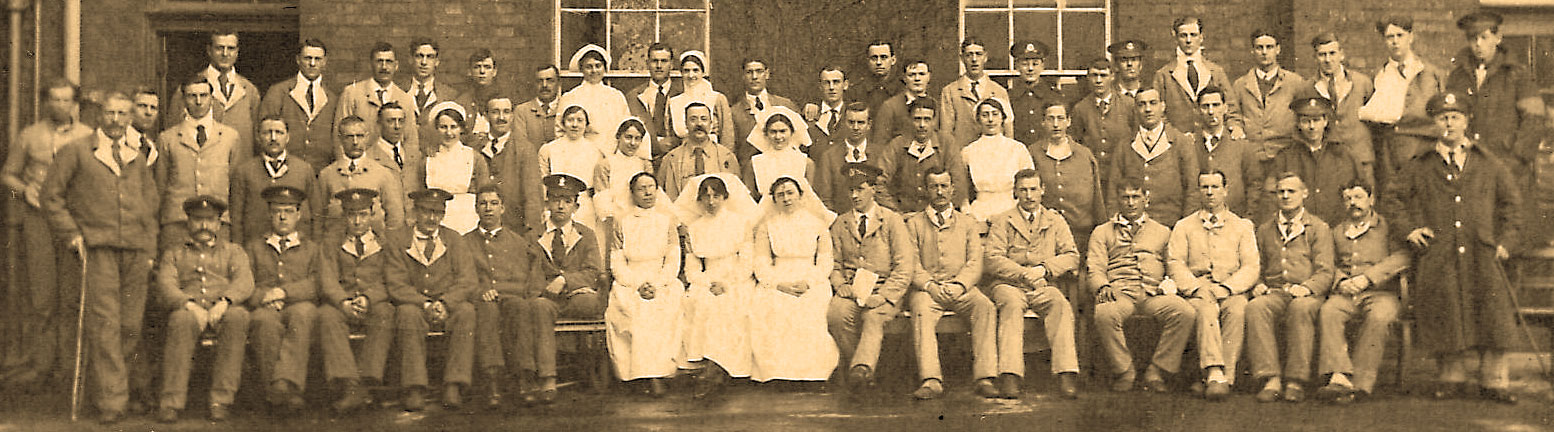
x=948, y=252
x=1507, y=108
x=696, y=155
x=1368, y=258
x=43, y=294
x=430, y=278
x=200, y=153
x=749, y=108
x=1128, y=59
x=425, y=89
x=881, y=83
x=364, y=98
x=99, y=195
x=958, y=100
x=234, y=99
x=1347, y=90
x=251, y=213
x=1183, y=80
x=1160, y=155
x=1212, y=261
x=1071, y=171
x=826, y=118
x=650, y=101
x=144, y=115
x=514, y=168
x=481, y=86
x=924, y=151
x=1030, y=93
x=537, y=117
x=501, y=286
x=1318, y=156
x=397, y=151
x=874, y=264
x=201, y=281
x=352, y=281
x=286, y=274
x=1217, y=149
x=1297, y=249
x=1264, y=95
x=893, y=119
x=1403, y=85
x=1458, y=206
x=1104, y=120
x=832, y=181
x=1125, y=265
x=307, y=105
x=1028, y=248
x=354, y=171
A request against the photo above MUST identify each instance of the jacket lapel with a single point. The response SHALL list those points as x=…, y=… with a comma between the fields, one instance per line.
x=1180, y=73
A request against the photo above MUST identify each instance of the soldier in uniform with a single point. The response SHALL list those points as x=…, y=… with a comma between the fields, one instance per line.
x=351, y=279
x=1297, y=249
x=285, y=268
x=1104, y=119
x=572, y=268
x=202, y=281
x=430, y=278
x=1030, y=93
x=874, y=264
x=502, y=286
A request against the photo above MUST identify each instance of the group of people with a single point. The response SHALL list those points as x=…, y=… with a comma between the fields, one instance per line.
x=747, y=236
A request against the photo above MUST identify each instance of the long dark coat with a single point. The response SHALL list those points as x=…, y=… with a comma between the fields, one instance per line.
x=1462, y=299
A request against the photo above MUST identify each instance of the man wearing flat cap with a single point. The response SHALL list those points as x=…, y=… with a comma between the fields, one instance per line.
x=1507, y=111
x=353, y=287
x=1128, y=62
x=571, y=267
x=1189, y=73
x=1457, y=204
x=285, y=267
x=201, y=281
x=874, y=264
x=1030, y=91
x=1316, y=156
x=430, y=278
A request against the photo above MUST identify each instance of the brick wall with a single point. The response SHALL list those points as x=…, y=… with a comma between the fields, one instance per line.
x=1436, y=38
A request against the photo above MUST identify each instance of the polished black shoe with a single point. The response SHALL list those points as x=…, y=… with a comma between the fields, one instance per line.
x=1498, y=395
x=1068, y=385
x=1009, y=386
x=219, y=412
x=1331, y=392
x=860, y=378
x=167, y=415
x=986, y=388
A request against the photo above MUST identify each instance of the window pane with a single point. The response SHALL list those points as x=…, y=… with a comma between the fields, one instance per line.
x=1084, y=38
x=632, y=4
x=987, y=3
x=579, y=29
x=595, y=4
x=992, y=28
x=1041, y=26
x=1543, y=61
x=683, y=31
x=1086, y=3
x=683, y=4
x=1035, y=3
x=630, y=35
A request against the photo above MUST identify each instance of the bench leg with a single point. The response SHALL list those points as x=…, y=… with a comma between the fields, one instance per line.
x=1405, y=344
x=599, y=374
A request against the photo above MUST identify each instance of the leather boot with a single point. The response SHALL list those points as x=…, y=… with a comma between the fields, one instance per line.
x=493, y=386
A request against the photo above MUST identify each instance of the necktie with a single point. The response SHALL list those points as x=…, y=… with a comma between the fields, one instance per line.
x=422, y=96
x=836, y=119
x=1192, y=78
x=285, y=244
x=1332, y=87
x=361, y=247
x=311, y=106
x=1458, y=157
x=545, y=109
x=226, y=86
x=1127, y=231
x=1401, y=72
x=351, y=168
x=275, y=170
x=145, y=148
x=661, y=109
x=857, y=155
x=1265, y=85
x=117, y=158
x=558, y=246
x=863, y=225
x=491, y=236
x=1105, y=105
x=974, y=94
x=430, y=247
x=1287, y=227
x=701, y=161
x=758, y=105
x=938, y=219
x=380, y=97
x=199, y=135
x=1030, y=218
x=399, y=159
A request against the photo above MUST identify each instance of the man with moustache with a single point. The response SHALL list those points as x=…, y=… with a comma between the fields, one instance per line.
x=697, y=154
x=363, y=98
x=650, y=101
x=276, y=166
x=235, y=99
x=1317, y=155
x=923, y=151
x=395, y=150
x=116, y=237
x=1264, y=95
x=1159, y=154
x=893, y=118
x=1367, y=258
x=958, y=100
x=201, y=281
x=355, y=171
x=1103, y=120
x=514, y=169
x=431, y=279
x=1030, y=92
x=307, y=106
x=948, y=261
x=755, y=101
x=199, y=156
x=536, y=118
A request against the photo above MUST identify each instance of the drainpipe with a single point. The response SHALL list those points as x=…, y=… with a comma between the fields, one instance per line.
x=73, y=41
x=13, y=93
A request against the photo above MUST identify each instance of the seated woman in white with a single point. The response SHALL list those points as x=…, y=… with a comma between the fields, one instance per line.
x=454, y=167
x=642, y=322
x=718, y=219
x=993, y=159
x=623, y=162
x=605, y=105
x=779, y=142
x=788, y=335
x=693, y=75
x=575, y=153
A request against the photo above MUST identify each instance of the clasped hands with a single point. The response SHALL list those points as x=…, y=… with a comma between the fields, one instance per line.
x=435, y=311
x=356, y=306
x=208, y=318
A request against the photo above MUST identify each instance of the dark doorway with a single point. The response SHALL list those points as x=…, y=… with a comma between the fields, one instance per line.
x=265, y=58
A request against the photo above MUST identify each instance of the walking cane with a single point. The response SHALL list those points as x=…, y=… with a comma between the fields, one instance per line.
x=75, y=385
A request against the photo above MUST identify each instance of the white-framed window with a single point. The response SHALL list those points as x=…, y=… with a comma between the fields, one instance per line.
x=1077, y=31
x=626, y=28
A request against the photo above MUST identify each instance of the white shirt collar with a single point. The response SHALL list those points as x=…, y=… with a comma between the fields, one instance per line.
x=1267, y=75
x=292, y=240
x=1061, y=149
x=1196, y=57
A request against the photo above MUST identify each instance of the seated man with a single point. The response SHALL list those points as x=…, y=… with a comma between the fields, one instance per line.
x=1028, y=247
x=873, y=266
x=351, y=276
x=430, y=277
x=572, y=266
x=949, y=253
x=200, y=281
x=1368, y=258
x=1125, y=263
x=1212, y=261
x=1297, y=249
x=506, y=266
x=285, y=271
